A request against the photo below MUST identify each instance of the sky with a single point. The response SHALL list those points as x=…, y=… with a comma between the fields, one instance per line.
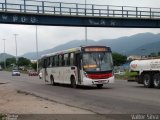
x=51, y=36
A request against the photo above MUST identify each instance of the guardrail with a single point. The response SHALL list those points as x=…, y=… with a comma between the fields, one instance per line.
x=75, y=9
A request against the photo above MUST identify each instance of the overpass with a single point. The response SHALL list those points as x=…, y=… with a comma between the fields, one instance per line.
x=33, y=12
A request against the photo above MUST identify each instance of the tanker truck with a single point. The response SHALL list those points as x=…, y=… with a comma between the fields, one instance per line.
x=148, y=72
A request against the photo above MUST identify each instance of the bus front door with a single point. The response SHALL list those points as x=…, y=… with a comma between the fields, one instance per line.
x=78, y=65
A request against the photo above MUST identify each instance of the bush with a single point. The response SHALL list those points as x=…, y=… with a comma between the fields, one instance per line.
x=127, y=75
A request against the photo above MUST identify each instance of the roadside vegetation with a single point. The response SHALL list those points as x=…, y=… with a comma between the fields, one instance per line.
x=126, y=75
x=3, y=116
x=23, y=64
x=119, y=59
x=121, y=72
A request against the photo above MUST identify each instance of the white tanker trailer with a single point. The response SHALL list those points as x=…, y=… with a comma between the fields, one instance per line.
x=148, y=72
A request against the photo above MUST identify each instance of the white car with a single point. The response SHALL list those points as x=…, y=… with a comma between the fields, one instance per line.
x=119, y=73
x=15, y=73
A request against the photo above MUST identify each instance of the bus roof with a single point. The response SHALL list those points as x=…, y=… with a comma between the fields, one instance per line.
x=71, y=50
x=62, y=52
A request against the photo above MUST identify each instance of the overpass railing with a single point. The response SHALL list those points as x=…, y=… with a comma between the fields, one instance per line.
x=75, y=9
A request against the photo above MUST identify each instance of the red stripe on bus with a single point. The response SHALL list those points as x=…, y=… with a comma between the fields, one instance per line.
x=100, y=76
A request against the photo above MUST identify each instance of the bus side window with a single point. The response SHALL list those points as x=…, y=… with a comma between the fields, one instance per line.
x=60, y=60
x=72, y=59
x=65, y=59
x=68, y=59
x=53, y=61
x=56, y=60
x=48, y=61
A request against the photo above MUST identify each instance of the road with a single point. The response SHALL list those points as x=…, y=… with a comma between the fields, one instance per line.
x=120, y=98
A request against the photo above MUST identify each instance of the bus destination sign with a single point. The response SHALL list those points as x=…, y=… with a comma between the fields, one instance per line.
x=95, y=49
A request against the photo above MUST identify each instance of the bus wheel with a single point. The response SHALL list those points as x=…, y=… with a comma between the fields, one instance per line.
x=156, y=80
x=73, y=82
x=147, y=80
x=99, y=86
x=52, y=80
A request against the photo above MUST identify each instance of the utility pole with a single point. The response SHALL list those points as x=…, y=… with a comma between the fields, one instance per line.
x=37, y=46
x=86, y=27
x=15, y=35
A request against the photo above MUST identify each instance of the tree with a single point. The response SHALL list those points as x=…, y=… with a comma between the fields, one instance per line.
x=118, y=59
x=2, y=64
x=153, y=54
x=23, y=61
x=10, y=61
x=34, y=66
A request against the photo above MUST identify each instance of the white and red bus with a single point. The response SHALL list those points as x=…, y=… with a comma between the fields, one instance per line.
x=88, y=65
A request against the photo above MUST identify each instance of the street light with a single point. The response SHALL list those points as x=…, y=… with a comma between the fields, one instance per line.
x=15, y=35
x=37, y=46
x=4, y=54
x=85, y=27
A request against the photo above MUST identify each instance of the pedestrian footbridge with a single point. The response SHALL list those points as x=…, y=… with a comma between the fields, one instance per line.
x=73, y=14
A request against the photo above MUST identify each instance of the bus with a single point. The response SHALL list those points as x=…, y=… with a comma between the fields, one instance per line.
x=85, y=65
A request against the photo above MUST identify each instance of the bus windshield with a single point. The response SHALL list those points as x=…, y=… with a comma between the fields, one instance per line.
x=97, y=61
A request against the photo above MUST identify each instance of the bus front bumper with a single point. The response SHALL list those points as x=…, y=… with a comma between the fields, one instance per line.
x=88, y=81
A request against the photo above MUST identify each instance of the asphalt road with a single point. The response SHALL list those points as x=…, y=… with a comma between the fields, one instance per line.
x=122, y=97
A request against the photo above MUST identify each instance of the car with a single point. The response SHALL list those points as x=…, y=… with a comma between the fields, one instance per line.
x=32, y=73
x=15, y=73
x=119, y=73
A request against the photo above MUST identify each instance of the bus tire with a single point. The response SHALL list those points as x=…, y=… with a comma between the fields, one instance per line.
x=147, y=80
x=73, y=82
x=156, y=80
x=99, y=86
x=52, y=80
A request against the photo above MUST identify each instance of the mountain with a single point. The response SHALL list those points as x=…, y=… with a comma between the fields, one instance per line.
x=147, y=49
x=6, y=56
x=71, y=44
x=126, y=44
x=138, y=44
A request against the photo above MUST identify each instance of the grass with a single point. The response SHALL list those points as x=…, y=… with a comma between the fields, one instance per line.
x=3, y=116
x=126, y=76
x=131, y=74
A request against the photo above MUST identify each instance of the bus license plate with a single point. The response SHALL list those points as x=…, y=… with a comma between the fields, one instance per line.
x=101, y=81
